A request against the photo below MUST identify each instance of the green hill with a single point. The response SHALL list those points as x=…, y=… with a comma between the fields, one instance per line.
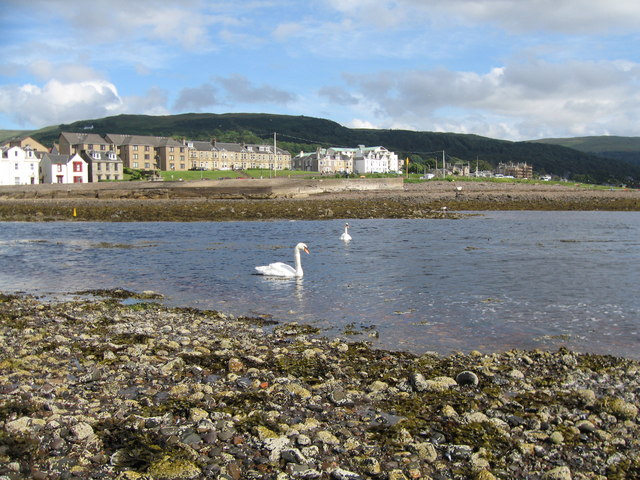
x=297, y=133
x=613, y=147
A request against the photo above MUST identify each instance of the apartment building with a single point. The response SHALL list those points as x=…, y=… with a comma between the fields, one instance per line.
x=215, y=155
x=164, y=153
x=75, y=143
x=19, y=166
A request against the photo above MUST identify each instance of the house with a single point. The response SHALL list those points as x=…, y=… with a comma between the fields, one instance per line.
x=103, y=165
x=25, y=142
x=376, y=160
x=63, y=168
x=19, y=166
x=327, y=161
x=515, y=170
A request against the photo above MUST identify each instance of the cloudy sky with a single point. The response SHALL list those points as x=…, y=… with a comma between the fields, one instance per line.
x=509, y=69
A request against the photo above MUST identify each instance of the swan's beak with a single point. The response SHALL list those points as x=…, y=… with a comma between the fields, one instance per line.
x=307, y=250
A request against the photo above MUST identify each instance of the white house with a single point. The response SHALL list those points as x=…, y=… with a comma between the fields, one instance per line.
x=375, y=160
x=19, y=166
x=58, y=168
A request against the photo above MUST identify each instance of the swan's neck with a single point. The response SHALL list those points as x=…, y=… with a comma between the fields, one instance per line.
x=297, y=262
x=346, y=229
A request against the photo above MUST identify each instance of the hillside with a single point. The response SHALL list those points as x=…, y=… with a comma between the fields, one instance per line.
x=613, y=147
x=300, y=132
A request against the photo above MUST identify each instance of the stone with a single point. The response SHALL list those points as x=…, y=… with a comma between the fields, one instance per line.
x=467, y=378
x=558, y=473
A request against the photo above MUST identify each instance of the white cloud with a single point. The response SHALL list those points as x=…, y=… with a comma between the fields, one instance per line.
x=58, y=102
x=577, y=98
x=64, y=102
x=359, y=123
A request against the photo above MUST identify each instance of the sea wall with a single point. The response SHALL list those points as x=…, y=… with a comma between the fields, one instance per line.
x=209, y=189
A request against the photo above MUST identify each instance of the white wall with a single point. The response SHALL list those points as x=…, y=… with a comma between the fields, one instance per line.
x=19, y=166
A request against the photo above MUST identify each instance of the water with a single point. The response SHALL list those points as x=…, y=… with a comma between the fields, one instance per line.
x=491, y=282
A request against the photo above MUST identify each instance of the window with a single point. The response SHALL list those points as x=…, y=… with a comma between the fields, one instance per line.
x=106, y=167
x=146, y=148
x=77, y=179
x=146, y=156
x=135, y=156
x=135, y=164
x=77, y=167
x=60, y=178
x=58, y=167
x=17, y=166
x=135, y=148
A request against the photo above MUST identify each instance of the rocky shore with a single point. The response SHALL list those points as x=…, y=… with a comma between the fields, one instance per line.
x=115, y=385
x=432, y=199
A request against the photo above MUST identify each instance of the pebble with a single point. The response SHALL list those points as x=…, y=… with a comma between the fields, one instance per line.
x=208, y=395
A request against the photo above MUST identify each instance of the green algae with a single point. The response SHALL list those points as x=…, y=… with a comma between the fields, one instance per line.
x=310, y=370
x=137, y=450
x=17, y=408
x=18, y=446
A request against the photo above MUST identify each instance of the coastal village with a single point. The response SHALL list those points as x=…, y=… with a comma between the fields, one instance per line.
x=90, y=157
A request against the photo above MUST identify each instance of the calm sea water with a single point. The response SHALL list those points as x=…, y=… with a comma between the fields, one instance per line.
x=492, y=282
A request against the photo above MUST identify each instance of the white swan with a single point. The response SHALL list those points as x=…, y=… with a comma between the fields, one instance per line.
x=279, y=269
x=345, y=236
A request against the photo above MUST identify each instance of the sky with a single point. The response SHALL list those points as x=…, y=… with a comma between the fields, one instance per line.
x=505, y=69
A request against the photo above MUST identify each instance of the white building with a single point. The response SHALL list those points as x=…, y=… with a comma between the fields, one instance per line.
x=58, y=168
x=375, y=160
x=19, y=166
x=348, y=160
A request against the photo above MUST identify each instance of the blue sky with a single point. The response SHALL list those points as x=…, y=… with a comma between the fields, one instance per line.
x=508, y=69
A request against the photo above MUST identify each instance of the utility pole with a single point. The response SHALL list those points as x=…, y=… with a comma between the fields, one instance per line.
x=444, y=163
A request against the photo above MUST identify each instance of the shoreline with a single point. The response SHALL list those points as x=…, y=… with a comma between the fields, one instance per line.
x=119, y=386
x=433, y=199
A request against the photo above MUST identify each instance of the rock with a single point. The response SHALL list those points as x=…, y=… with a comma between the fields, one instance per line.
x=467, y=378
x=558, y=473
x=81, y=431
